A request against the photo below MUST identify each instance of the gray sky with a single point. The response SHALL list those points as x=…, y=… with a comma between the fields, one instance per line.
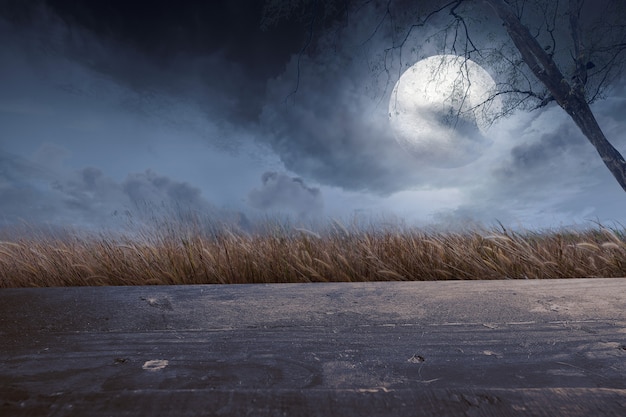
x=133, y=109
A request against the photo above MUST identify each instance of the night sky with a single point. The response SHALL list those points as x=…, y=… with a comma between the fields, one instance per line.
x=116, y=107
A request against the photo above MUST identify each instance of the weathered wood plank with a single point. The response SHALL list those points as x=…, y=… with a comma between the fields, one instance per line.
x=420, y=348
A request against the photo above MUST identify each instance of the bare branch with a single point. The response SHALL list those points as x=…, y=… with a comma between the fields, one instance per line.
x=468, y=39
x=580, y=57
x=384, y=17
x=425, y=21
x=303, y=50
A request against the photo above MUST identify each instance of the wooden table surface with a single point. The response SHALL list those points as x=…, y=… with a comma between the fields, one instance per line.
x=476, y=348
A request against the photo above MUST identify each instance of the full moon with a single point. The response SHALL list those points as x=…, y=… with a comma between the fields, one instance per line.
x=438, y=110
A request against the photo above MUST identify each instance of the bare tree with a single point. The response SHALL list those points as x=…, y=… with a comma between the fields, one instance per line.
x=565, y=51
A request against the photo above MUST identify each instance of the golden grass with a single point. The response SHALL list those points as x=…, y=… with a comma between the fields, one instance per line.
x=183, y=255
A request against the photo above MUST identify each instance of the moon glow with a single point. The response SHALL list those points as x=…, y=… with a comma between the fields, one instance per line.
x=436, y=110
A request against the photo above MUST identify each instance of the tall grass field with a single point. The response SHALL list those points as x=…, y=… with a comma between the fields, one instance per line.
x=275, y=253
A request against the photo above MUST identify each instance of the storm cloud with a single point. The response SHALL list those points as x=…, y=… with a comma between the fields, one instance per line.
x=200, y=51
x=326, y=115
x=89, y=198
x=323, y=112
x=280, y=192
x=108, y=107
x=545, y=173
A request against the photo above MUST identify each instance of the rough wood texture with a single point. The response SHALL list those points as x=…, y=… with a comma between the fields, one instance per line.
x=479, y=348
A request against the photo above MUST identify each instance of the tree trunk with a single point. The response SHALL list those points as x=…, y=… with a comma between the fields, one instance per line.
x=579, y=111
x=570, y=98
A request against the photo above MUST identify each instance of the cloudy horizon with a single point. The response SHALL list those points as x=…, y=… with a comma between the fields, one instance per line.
x=104, y=116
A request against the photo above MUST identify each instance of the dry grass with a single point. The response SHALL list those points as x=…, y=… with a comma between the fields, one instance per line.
x=184, y=255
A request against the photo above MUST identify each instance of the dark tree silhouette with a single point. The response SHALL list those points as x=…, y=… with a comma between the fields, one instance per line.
x=568, y=52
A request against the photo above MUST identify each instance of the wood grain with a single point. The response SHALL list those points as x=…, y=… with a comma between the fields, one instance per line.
x=549, y=347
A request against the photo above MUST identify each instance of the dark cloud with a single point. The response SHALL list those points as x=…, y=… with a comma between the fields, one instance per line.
x=327, y=115
x=207, y=70
x=325, y=137
x=327, y=119
x=550, y=175
x=14, y=169
x=212, y=53
x=543, y=173
x=89, y=198
x=153, y=188
x=26, y=193
x=280, y=192
x=614, y=107
x=215, y=58
x=538, y=154
x=166, y=30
